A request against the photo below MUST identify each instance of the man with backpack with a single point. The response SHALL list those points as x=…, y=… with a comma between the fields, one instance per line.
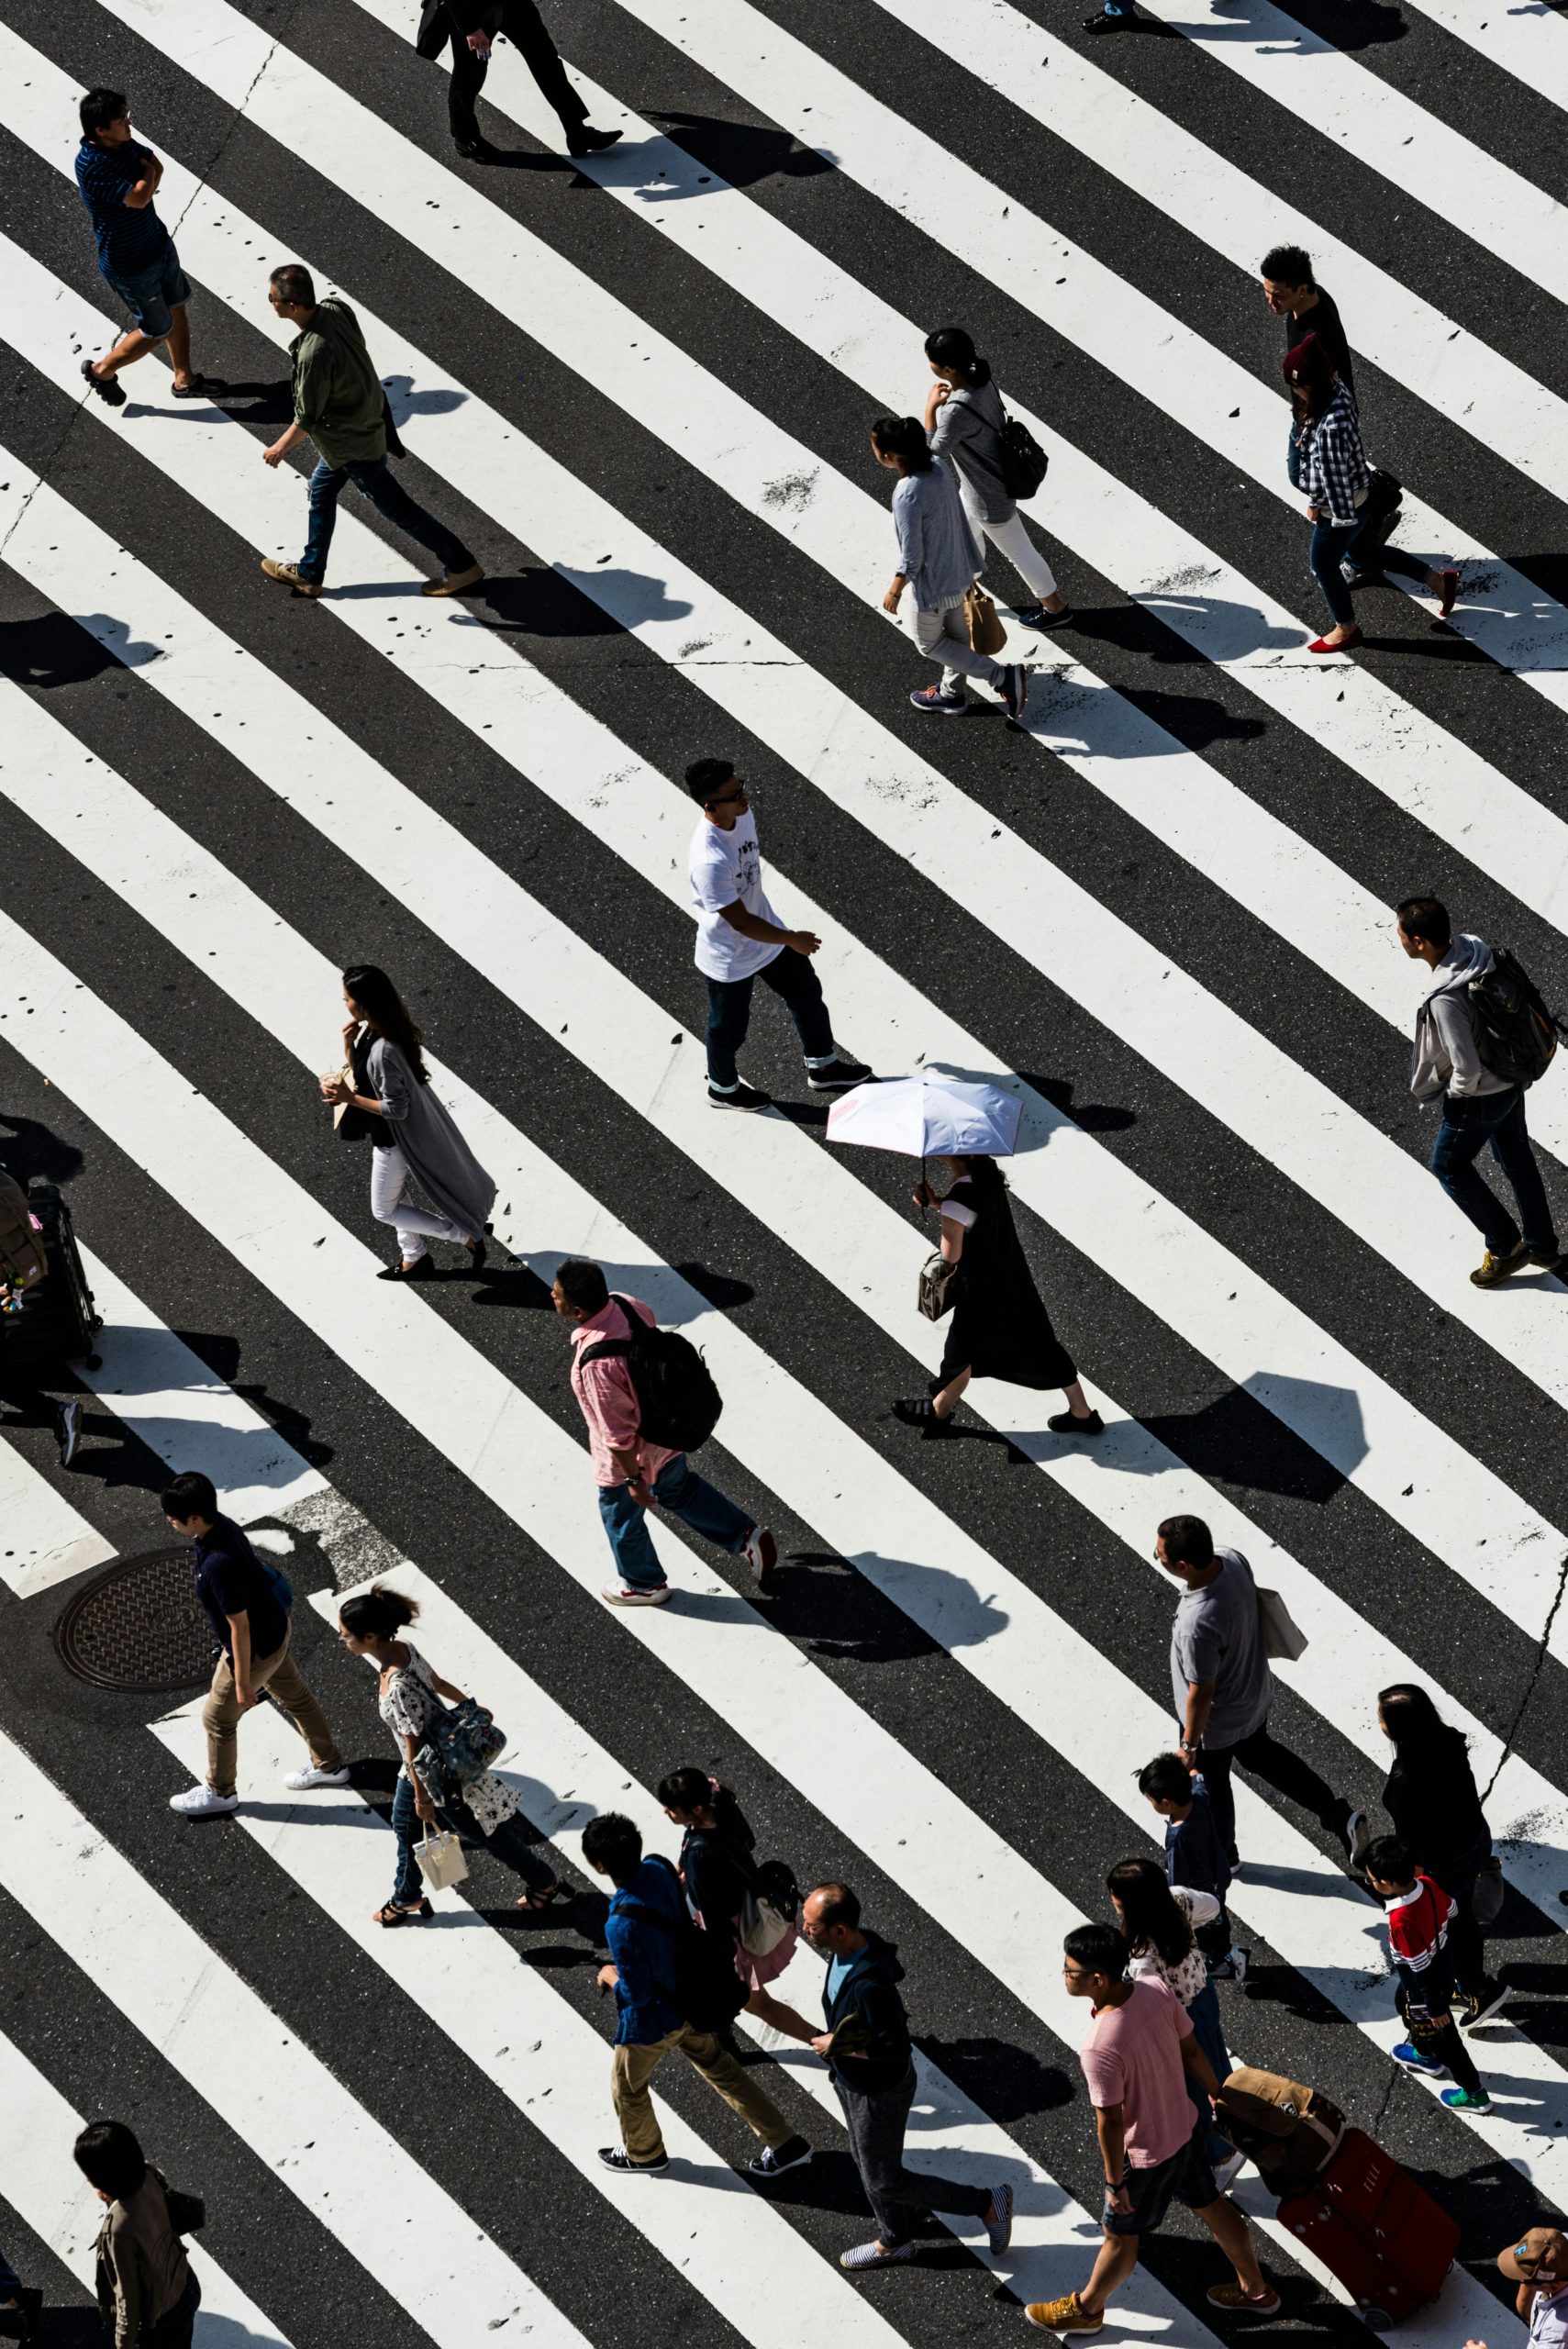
x=1483, y=1035
x=247, y=1602
x=647, y=1399
x=675, y=1988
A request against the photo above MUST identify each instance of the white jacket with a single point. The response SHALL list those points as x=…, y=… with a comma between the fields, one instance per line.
x=1443, y=1059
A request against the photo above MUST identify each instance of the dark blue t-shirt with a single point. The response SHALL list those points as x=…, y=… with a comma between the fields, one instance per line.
x=1195, y=1855
x=231, y=1580
x=129, y=241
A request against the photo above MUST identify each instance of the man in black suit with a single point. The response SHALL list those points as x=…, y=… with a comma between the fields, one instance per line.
x=472, y=25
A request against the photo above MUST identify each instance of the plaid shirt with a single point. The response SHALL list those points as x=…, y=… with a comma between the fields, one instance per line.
x=1334, y=470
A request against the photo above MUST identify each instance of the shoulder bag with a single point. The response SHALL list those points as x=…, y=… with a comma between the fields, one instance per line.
x=937, y=1292
x=986, y=633
x=1283, y=1641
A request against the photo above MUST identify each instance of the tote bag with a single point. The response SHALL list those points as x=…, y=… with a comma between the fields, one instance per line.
x=442, y=1860
x=986, y=633
x=1283, y=1641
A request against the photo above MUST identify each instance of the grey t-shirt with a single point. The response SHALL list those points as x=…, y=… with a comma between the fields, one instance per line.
x=1217, y=1636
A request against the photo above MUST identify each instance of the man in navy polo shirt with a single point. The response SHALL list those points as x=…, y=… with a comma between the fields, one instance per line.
x=250, y=1623
x=119, y=179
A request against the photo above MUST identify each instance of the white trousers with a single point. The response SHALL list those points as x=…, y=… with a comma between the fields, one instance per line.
x=1011, y=538
x=944, y=637
x=389, y=1180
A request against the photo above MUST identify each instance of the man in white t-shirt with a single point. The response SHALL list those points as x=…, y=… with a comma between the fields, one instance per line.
x=739, y=939
x=1538, y=2263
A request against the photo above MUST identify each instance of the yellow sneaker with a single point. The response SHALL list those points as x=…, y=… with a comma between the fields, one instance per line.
x=1063, y=2317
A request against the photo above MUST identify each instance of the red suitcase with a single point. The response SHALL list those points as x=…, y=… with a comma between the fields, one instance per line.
x=1385, y=2238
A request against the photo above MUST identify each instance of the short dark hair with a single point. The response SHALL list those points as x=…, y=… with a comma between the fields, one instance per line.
x=903, y=437
x=704, y=777
x=839, y=1905
x=1188, y=1541
x=582, y=1283
x=109, y=2158
x=295, y=284
x=1098, y=1949
x=1390, y=1859
x=1426, y=918
x=99, y=108
x=614, y=1843
x=1166, y=1779
x=190, y=1495
x=1286, y=265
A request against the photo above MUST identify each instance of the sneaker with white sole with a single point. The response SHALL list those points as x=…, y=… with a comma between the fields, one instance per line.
x=840, y=1074
x=999, y=2225
x=1411, y=2057
x=761, y=1554
x=202, y=1802
x=774, y=2160
x=1478, y=2007
x=299, y=1782
x=1231, y=1967
x=621, y=1594
x=616, y=2157
x=871, y=2254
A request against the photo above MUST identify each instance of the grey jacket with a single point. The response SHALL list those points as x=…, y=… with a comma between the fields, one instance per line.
x=423, y=1129
x=1443, y=1058
x=968, y=433
x=936, y=550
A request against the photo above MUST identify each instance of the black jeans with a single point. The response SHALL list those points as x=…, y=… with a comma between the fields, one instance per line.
x=1466, y=1945
x=521, y=23
x=1278, y=1767
x=174, y=2331
x=797, y=986
x=901, y=2202
x=1435, y=2034
x=1470, y=1122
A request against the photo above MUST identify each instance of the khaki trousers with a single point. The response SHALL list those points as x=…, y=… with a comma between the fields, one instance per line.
x=633, y=2067
x=221, y=1715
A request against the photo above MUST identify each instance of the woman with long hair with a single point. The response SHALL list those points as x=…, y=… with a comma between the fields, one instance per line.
x=1000, y=1328
x=1432, y=1798
x=1336, y=476
x=964, y=417
x=413, y=1135
x=939, y=563
x=1160, y=1922
x=718, y=1868
x=408, y=1697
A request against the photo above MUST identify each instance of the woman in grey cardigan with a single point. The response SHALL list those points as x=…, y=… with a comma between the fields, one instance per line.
x=939, y=561
x=965, y=417
x=412, y=1131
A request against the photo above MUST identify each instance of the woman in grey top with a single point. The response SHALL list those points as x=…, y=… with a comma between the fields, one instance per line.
x=413, y=1133
x=965, y=417
x=939, y=561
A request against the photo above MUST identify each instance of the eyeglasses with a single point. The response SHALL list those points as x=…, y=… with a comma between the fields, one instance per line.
x=726, y=798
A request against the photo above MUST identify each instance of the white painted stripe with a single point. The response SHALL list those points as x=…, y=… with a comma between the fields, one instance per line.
x=196, y=2010
x=808, y=1727
x=1524, y=38
x=43, y=1540
x=43, y=2185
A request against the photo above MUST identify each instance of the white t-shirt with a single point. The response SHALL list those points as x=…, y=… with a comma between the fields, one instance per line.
x=1548, y=2321
x=724, y=866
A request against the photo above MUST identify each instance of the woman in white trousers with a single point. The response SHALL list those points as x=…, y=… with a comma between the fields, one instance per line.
x=963, y=423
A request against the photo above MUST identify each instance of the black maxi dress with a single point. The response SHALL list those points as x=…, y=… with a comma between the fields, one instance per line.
x=1000, y=1328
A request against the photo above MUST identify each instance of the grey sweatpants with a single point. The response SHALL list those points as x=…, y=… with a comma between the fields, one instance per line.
x=901, y=2202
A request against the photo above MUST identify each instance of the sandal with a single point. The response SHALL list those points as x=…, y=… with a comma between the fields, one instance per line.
x=392, y=1915
x=559, y=1891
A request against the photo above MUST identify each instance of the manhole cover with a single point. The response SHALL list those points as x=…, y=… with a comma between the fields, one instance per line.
x=137, y=1626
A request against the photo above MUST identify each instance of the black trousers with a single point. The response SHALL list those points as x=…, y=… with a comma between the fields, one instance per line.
x=523, y=26
x=1278, y=1767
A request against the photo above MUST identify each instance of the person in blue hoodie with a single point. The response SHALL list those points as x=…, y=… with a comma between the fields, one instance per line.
x=867, y=2049
x=647, y=1925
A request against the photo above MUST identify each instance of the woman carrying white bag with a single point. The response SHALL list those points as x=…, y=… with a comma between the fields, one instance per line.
x=410, y=1698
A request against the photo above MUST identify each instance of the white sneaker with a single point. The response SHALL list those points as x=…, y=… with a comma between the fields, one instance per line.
x=299, y=1782
x=1227, y=2172
x=68, y=1430
x=201, y=1802
x=620, y=1593
x=761, y=1554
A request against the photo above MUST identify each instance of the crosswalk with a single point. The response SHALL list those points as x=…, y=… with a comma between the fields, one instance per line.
x=642, y=390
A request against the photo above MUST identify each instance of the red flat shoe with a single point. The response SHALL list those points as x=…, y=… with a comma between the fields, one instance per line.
x=1321, y=643
x=1450, y=595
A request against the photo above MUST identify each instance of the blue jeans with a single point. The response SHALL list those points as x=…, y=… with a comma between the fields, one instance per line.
x=1470, y=1122
x=1209, y=2032
x=1293, y=459
x=1337, y=543
x=372, y=477
x=510, y=1842
x=685, y=1494
x=797, y=986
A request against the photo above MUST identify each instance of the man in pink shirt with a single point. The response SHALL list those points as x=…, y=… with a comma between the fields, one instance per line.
x=631, y=1474
x=1151, y=2142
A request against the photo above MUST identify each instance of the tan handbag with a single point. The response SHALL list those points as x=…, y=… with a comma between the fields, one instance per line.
x=442, y=1861
x=986, y=633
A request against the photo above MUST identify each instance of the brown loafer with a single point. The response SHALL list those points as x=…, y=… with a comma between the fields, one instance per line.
x=454, y=582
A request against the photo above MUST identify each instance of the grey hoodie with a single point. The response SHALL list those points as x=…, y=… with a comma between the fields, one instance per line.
x=1443, y=1059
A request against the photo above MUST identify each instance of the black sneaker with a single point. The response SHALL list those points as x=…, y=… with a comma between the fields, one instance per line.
x=838, y=1075
x=67, y=1431
x=1548, y=1260
x=1068, y=1423
x=774, y=2160
x=1476, y=2007
x=745, y=1096
x=474, y=151
x=616, y=2157
x=109, y=388
x=1035, y=615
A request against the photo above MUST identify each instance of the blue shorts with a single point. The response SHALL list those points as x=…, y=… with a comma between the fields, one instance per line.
x=153, y=293
x=1187, y=2177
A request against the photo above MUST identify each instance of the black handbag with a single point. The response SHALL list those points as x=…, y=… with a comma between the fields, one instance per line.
x=1383, y=495
x=937, y=1292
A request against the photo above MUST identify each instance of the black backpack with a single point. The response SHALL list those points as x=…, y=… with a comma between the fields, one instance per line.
x=708, y=1991
x=1023, y=460
x=677, y=1403
x=1516, y=1036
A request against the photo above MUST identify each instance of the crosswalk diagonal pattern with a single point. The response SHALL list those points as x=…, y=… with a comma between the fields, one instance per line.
x=1160, y=912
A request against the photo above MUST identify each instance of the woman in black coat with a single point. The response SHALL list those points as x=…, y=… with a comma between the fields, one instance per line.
x=1431, y=1798
x=1000, y=1328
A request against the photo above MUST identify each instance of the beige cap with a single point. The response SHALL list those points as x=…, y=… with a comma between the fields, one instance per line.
x=1538, y=2249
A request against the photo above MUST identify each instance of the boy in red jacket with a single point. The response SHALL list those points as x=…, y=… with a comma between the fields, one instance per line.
x=1419, y=1913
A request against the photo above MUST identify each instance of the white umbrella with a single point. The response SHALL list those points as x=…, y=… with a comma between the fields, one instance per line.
x=929, y=1115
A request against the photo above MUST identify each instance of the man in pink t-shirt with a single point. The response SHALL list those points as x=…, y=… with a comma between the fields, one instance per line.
x=633, y=1474
x=1140, y=2042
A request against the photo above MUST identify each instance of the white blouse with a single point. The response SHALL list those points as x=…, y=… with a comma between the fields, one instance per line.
x=1187, y=1977
x=408, y=1704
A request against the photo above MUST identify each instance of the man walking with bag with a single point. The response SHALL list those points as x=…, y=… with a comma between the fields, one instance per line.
x=248, y=1612
x=1223, y=1688
x=1481, y=1106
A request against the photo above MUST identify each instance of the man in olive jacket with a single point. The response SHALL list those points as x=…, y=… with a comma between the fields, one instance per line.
x=338, y=404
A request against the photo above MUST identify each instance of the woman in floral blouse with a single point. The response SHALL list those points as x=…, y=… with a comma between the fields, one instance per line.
x=410, y=1698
